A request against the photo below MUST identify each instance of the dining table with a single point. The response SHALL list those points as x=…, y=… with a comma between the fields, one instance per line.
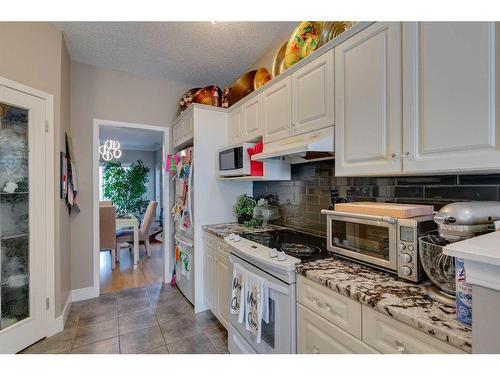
x=130, y=221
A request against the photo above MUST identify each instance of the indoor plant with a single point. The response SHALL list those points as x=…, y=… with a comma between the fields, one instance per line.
x=126, y=186
x=243, y=208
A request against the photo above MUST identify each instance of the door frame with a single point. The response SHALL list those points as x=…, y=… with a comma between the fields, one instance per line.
x=95, y=194
x=54, y=324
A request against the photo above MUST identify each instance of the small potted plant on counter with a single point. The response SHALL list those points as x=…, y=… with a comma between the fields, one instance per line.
x=243, y=209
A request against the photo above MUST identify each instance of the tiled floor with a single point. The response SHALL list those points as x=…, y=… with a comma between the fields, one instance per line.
x=155, y=319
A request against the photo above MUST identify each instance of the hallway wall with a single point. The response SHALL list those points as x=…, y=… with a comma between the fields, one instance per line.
x=109, y=95
x=34, y=54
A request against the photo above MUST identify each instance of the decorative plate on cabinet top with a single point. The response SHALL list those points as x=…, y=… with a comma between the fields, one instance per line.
x=209, y=95
x=304, y=41
x=187, y=98
x=262, y=76
x=242, y=87
x=279, y=60
x=332, y=29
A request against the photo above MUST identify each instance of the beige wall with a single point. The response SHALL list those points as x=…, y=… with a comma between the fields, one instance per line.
x=34, y=54
x=110, y=95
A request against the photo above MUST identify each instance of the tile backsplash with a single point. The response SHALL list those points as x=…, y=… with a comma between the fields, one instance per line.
x=301, y=199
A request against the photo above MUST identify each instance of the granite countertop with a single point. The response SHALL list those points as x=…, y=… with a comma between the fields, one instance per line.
x=223, y=230
x=404, y=301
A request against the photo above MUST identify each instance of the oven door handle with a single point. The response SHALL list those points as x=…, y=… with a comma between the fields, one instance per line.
x=270, y=285
x=346, y=215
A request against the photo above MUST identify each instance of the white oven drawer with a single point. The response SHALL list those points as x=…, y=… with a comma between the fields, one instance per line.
x=392, y=337
x=338, y=309
x=316, y=335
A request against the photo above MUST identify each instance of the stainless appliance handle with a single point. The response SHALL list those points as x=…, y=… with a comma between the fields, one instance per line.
x=185, y=242
x=386, y=219
x=270, y=285
x=190, y=190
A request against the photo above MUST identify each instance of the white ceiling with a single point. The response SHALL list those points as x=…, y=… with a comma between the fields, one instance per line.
x=131, y=138
x=199, y=53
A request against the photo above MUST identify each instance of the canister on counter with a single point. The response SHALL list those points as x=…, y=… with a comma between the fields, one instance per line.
x=463, y=294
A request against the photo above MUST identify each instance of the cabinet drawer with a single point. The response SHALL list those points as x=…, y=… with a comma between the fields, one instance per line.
x=316, y=335
x=392, y=337
x=338, y=309
x=209, y=239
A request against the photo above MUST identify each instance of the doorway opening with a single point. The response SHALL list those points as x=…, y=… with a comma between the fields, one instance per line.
x=129, y=205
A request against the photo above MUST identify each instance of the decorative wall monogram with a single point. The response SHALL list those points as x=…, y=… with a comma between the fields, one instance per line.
x=110, y=150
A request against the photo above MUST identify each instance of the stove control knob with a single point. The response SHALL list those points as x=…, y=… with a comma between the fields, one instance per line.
x=273, y=253
x=282, y=256
x=406, y=258
x=406, y=271
x=410, y=247
x=402, y=246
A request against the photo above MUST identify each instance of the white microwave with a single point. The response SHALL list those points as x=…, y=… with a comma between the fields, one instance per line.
x=235, y=160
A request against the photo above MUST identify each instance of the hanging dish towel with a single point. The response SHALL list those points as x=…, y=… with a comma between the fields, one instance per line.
x=256, y=303
x=185, y=265
x=237, y=306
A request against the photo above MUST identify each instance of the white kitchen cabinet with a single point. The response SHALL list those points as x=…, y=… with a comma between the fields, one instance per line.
x=450, y=88
x=252, y=115
x=338, y=309
x=209, y=277
x=223, y=282
x=392, y=337
x=368, y=102
x=236, y=126
x=217, y=277
x=328, y=322
x=182, y=129
x=312, y=95
x=316, y=335
x=276, y=110
x=245, y=121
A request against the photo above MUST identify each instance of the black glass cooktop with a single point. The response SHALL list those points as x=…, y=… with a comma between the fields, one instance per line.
x=303, y=246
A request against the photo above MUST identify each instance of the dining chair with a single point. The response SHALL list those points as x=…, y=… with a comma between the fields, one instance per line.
x=107, y=230
x=127, y=235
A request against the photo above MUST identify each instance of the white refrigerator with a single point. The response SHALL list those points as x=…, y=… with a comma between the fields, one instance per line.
x=182, y=212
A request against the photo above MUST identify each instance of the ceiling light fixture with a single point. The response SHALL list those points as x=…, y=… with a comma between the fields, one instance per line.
x=110, y=150
x=213, y=22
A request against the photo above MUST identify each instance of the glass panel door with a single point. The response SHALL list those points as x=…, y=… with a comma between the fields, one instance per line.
x=14, y=216
x=23, y=219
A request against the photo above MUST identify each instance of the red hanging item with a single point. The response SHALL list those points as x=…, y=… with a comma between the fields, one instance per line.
x=256, y=167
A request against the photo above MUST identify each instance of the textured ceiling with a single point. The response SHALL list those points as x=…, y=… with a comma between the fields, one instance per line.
x=199, y=53
x=131, y=138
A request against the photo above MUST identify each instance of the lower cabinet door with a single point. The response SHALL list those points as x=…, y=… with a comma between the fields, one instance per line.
x=223, y=282
x=392, y=337
x=209, y=278
x=316, y=335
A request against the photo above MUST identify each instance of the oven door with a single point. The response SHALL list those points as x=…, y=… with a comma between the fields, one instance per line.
x=367, y=238
x=278, y=336
x=231, y=161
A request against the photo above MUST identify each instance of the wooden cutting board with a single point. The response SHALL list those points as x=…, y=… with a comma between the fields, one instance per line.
x=386, y=209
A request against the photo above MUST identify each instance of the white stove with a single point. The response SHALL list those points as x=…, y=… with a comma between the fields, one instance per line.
x=273, y=255
x=277, y=263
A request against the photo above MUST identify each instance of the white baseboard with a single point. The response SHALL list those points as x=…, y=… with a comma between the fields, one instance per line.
x=83, y=294
x=57, y=325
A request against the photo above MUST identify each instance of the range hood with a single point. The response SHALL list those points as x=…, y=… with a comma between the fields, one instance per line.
x=313, y=146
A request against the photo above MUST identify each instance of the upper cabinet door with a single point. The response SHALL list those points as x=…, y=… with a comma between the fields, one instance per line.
x=253, y=118
x=236, y=126
x=368, y=102
x=312, y=95
x=276, y=110
x=449, y=96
